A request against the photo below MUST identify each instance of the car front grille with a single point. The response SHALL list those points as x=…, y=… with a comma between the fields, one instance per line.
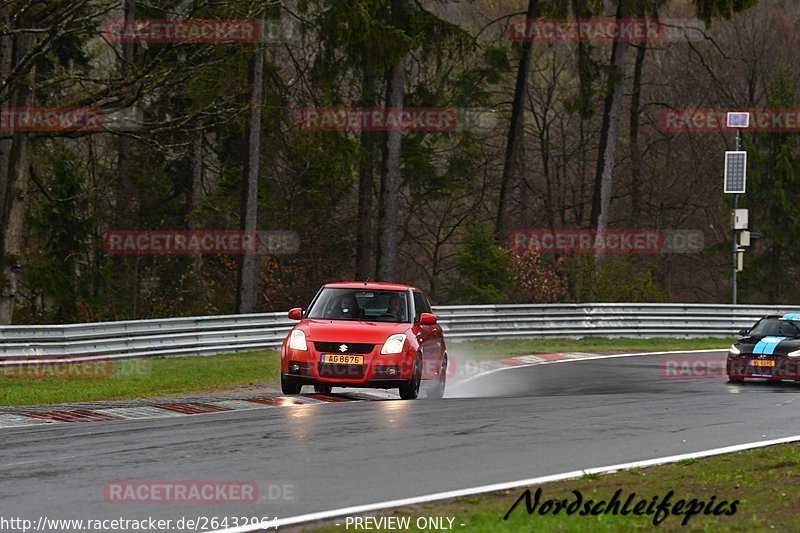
x=341, y=371
x=336, y=347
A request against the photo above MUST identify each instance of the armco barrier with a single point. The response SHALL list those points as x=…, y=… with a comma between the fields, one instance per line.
x=235, y=333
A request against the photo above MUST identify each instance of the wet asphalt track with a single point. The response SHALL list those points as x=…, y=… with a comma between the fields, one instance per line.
x=509, y=425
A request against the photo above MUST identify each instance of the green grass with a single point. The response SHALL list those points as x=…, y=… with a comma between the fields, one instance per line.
x=766, y=483
x=139, y=378
x=486, y=349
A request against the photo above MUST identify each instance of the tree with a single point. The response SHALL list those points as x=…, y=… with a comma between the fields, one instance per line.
x=15, y=158
x=773, y=193
x=247, y=280
x=609, y=132
x=391, y=177
x=483, y=269
x=61, y=222
x=514, y=140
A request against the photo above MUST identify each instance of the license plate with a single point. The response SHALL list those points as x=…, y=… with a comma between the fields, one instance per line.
x=342, y=359
x=762, y=362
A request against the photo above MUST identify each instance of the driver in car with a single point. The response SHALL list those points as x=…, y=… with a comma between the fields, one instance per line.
x=395, y=307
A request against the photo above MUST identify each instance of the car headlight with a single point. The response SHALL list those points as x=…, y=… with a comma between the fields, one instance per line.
x=734, y=350
x=297, y=341
x=394, y=344
x=795, y=353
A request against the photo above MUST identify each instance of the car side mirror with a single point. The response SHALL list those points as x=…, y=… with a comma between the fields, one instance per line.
x=296, y=313
x=427, y=319
x=743, y=332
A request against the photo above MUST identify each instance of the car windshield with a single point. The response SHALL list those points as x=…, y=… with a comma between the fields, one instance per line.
x=778, y=327
x=364, y=305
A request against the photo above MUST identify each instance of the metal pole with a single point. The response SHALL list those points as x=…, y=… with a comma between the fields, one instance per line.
x=735, y=247
x=735, y=206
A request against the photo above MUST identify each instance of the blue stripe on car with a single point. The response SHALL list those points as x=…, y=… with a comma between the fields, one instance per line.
x=791, y=316
x=767, y=345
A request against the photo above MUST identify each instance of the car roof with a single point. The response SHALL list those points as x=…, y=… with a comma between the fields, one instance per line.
x=370, y=285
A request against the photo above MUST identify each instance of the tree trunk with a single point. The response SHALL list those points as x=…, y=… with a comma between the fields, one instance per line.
x=247, y=280
x=6, y=180
x=390, y=190
x=125, y=200
x=389, y=212
x=586, y=69
x=6, y=52
x=636, y=155
x=515, y=135
x=196, y=193
x=604, y=175
x=366, y=178
x=15, y=161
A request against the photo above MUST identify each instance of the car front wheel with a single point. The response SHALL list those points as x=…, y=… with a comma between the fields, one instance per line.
x=410, y=390
x=289, y=387
x=436, y=391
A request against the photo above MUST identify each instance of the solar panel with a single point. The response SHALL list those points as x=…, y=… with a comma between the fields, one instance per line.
x=738, y=119
x=735, y=172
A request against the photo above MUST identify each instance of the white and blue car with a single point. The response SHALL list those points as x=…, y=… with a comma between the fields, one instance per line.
x=768, y=350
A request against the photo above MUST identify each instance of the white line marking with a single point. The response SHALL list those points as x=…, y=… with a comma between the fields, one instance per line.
x=359, y=509
x=608, y=356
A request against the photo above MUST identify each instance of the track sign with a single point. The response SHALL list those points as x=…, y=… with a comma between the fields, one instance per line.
x=735, y=171
x=738, y=119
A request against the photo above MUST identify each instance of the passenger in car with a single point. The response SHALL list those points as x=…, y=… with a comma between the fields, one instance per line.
x=348, y=308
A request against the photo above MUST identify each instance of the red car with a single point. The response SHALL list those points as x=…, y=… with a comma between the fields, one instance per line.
x=360, y=334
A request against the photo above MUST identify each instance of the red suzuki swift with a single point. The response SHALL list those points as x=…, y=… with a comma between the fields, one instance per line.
x=358, y=334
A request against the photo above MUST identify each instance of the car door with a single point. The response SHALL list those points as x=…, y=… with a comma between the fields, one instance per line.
x=430, y=338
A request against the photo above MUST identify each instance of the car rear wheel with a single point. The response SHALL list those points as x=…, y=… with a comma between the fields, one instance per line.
x=735, y=379
x=323, y=389
x=410, y=390
x=288, y=387
x=436, y=391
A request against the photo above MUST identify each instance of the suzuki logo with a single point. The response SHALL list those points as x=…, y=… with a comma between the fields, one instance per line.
x=343, y=348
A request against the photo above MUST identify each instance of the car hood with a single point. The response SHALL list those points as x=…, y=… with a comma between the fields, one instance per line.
x=350, y=331
x=768, y=345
